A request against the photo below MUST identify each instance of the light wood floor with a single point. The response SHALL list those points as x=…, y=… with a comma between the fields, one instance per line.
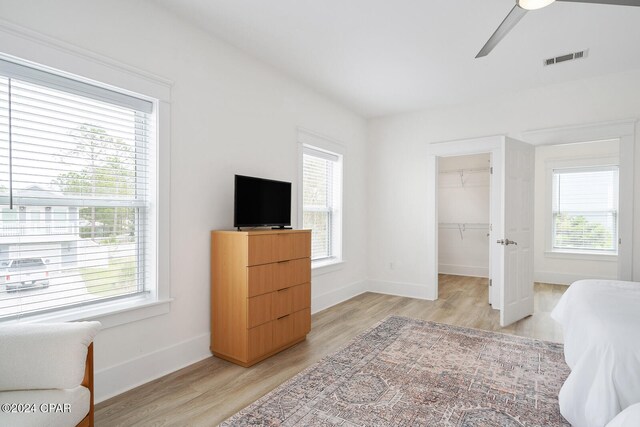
x=209, y=391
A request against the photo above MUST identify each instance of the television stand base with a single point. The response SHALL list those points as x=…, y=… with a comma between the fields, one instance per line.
x=282, y=227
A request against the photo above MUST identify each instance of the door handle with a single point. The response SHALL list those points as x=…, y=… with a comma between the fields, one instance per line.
x=506, y=242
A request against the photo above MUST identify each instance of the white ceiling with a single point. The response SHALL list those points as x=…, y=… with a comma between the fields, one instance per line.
x=381, y=57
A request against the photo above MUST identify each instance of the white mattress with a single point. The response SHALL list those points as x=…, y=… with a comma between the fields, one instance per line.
x=48, y=408
x=601, y=327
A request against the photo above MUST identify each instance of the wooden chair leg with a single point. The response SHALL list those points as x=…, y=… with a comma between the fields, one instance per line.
x=88, y=383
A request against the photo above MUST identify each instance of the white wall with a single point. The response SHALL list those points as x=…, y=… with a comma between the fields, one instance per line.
x=463, y=208
x=230, y=114
x=398, y=170
x=566, y=268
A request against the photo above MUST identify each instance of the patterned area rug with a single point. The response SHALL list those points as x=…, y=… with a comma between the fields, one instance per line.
x=407, y=372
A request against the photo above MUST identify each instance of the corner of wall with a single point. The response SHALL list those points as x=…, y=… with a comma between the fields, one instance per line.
x=409, y=290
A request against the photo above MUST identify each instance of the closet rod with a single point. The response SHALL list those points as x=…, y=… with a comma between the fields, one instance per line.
x=465, y=225
x=462, y=227
x=466, y=170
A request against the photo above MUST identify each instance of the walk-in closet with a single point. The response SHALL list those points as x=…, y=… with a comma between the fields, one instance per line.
x=463, y=218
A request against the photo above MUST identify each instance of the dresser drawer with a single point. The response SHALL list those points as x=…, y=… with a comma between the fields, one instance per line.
x=282, y=302
x=260, y=279
x=262, y=249
x=293, y=272
x=283, y=330
x=265, y=278
x=260, y=340
x=291, y=299
x=293, y=246
x=291, y=327
x=259, y=310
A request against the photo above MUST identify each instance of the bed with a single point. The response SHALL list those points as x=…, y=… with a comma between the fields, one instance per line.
x=601, y=326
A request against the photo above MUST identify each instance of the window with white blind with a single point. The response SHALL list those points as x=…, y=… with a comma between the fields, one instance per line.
x=321, y=203
x=75, y=191
x=585, y=210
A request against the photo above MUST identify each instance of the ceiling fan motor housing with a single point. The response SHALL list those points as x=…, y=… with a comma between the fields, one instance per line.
x=533, y=4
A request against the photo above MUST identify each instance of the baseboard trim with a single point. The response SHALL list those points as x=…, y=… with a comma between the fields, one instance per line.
x=324, y=301
x=563, y=278
x=117, y=379
x=409, y=290
x=463, y=270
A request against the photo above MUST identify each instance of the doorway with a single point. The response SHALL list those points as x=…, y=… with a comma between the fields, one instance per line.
x=464, y=223
x=511, y=213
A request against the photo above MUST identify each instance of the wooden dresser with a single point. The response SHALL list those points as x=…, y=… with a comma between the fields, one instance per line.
x=260, y=292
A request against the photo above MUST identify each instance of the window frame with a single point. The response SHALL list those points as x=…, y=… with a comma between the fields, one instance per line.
x=324, y=147
x=47, y=82
x=111, y=75
x=585, y=163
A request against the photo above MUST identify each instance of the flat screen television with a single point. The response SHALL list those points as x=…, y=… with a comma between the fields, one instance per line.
x=260, y=202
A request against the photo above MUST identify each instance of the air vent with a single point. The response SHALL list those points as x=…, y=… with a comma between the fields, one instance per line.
x=565, y=58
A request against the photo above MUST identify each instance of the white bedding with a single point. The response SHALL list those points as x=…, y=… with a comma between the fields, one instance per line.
x=630, y=417
x=601, y=326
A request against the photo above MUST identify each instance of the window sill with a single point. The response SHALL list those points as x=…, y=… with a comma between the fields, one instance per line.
x=585, y=256
x=110, y=314
x=326, y=266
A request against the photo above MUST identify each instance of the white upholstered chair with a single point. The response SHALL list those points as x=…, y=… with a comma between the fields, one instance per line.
x=46, y=374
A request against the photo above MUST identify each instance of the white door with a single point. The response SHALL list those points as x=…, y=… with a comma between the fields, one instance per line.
x=517, y=239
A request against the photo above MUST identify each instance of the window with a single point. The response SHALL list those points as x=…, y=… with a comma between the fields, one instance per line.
x=585, y=210
x=321, y=203
x=76, y=186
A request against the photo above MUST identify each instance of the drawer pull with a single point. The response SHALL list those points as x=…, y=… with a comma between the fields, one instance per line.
x=282, y=317
x=283, y=262
x=283, y=289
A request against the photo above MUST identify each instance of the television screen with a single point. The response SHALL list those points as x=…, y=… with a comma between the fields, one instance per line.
x=261, y=202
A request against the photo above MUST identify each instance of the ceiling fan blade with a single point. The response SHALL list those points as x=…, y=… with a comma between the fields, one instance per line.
x=509, y=22
x=611, y=2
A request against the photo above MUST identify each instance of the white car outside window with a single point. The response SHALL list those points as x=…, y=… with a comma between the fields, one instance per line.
x=25, y=273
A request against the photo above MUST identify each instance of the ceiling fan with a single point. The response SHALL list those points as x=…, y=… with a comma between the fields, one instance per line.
x=523, y=6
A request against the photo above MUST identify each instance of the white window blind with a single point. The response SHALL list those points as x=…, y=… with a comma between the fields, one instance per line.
x=321, y=192
x=74, y=191
x=585, y=209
